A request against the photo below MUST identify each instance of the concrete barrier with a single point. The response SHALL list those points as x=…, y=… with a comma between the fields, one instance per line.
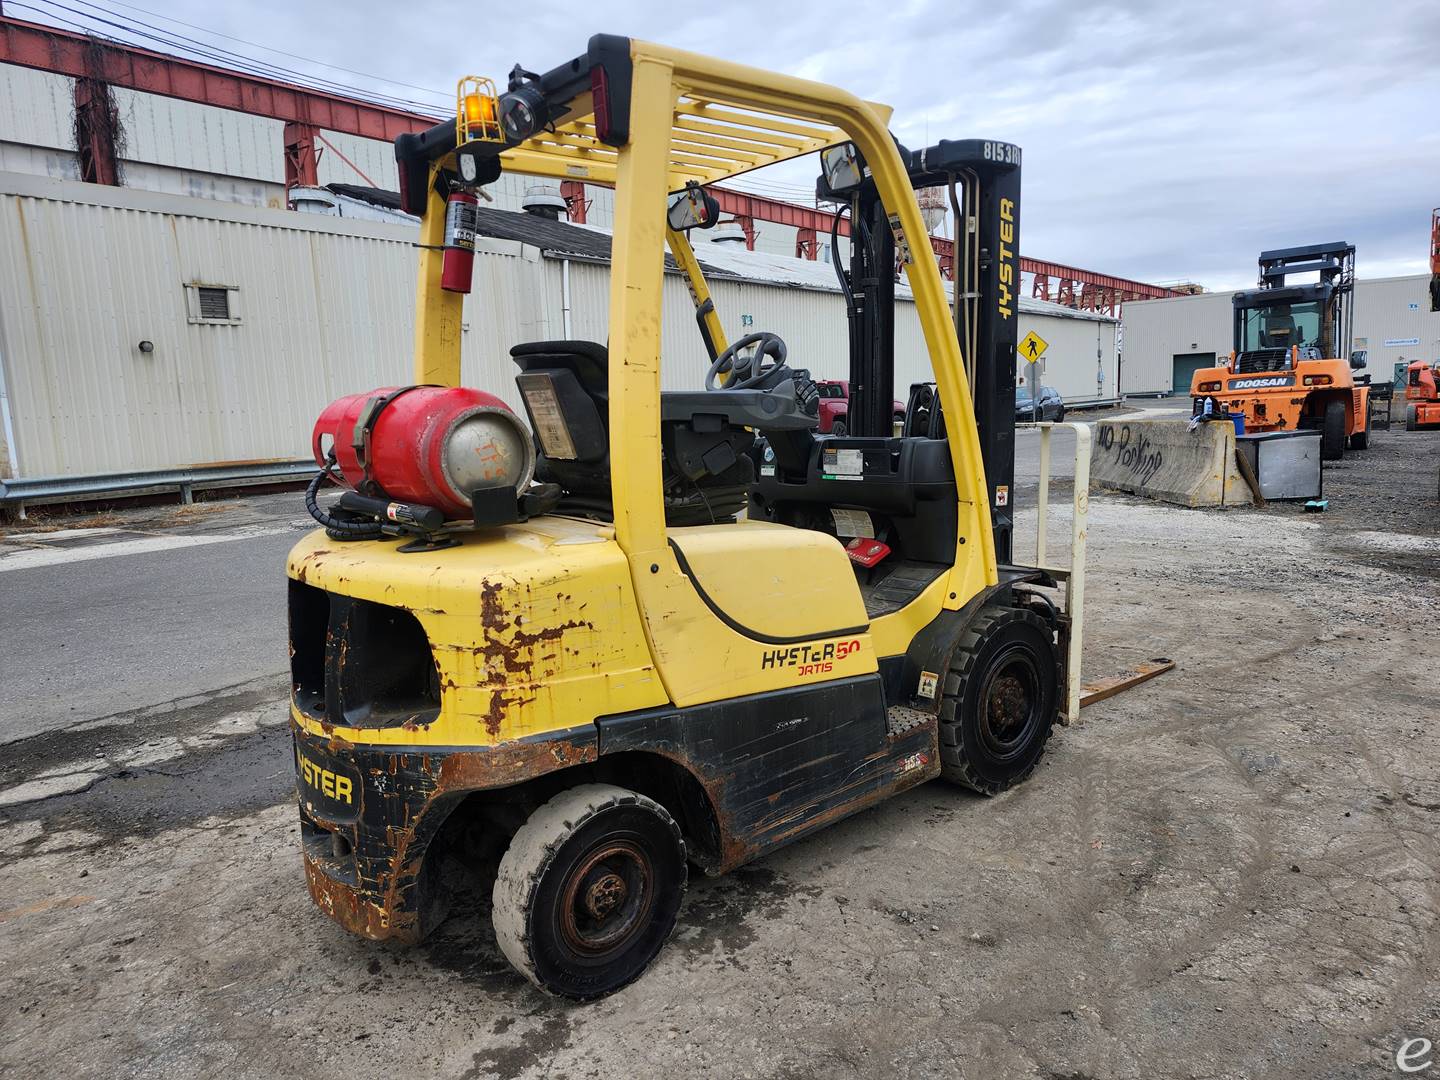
x=1165, y=460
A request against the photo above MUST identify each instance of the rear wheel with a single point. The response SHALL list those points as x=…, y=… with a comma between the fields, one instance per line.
x=588, y=891
x=1360, y=440
x=1412, y=418
x=1332, y=432
x=1000, y=701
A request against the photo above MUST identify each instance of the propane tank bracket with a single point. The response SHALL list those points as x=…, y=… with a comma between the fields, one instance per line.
x=500, y=506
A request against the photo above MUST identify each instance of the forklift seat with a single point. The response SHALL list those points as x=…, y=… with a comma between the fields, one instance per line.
x=705, y=436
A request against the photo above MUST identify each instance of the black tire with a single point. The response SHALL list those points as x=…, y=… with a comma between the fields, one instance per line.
x=589, y=889
x=1060, y=415
x=1001, y=699
x=1412, y=418
x=1332, y=432
x=1360, y=440
x=839, y=428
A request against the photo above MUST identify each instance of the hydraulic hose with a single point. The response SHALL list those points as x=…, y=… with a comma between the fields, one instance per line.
x=336, y=528
x=840, y=273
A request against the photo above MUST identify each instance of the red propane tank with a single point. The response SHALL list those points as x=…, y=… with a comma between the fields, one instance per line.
x=431, y=445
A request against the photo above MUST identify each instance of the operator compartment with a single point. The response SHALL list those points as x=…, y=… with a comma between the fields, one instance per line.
x=706, y=437
x=891, y=501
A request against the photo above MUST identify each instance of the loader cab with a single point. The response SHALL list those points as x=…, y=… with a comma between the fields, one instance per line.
x=1283, y=320
x=1269, y=323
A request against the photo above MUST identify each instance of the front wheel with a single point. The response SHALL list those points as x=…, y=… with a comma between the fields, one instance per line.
x=838, y=428
x=1412, y=418
x=589, y=889
x=1001, y=699
x=1332, y=432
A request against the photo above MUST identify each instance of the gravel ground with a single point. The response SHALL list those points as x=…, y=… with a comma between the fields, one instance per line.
x=1227, y=872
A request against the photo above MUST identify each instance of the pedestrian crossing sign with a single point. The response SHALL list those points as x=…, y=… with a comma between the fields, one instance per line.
x=1032, y=347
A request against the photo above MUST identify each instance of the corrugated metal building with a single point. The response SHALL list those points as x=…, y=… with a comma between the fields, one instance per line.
x=1166, y=340
x=186, y=148
x=144, y=331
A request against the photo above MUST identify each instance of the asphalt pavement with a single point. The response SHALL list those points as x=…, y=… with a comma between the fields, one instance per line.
x=155, y=606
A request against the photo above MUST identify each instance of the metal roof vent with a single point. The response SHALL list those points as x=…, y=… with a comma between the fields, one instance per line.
x=728, y=232
x=544, y=200
x=932, y=207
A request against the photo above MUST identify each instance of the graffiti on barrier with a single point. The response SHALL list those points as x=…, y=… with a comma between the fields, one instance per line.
x=1133, y=451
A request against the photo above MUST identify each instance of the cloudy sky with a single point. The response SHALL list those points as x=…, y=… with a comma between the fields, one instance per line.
x=1162, y=141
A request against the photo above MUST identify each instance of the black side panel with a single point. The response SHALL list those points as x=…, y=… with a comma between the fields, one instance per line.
x=910, y=482
x=775, y=765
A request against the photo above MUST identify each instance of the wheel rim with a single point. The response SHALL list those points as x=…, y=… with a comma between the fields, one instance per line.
x=608, y=898
x=1010, y=704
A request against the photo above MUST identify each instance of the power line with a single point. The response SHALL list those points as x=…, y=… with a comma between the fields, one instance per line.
x=217, y=55
x=281, y=52
x=221, y=55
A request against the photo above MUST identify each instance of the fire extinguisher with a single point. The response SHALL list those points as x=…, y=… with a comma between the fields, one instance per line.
x=461, y=213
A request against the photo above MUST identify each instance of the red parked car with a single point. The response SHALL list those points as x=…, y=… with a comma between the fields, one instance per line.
x=835, y=407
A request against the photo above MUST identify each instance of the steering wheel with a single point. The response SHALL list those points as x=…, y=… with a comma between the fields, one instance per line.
x=748, y=370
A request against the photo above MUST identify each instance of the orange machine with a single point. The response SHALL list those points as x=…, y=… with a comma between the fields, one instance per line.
x=1284, y=373
x=1422, y=397
x=1435, y=259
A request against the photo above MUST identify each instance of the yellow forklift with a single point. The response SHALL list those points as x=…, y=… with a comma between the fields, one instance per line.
x=645, y=629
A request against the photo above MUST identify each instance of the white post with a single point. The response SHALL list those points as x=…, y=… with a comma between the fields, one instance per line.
x=565, y=298
x=1075, y=586
x=1044, y=499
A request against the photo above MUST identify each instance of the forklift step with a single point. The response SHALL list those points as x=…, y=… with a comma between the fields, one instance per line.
x=900, y=719
x=899, y=587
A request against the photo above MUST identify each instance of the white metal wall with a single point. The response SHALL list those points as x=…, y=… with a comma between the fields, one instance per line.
x=1080, y=360
x=325, y=307
x=88, y=273
x=186, y=148
x=1081, y=357
x=38, y=108
x=1395, y=310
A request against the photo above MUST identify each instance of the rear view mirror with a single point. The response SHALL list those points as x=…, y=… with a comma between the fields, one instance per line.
x=1358, y=359
x=693, y=208
x=841, y=167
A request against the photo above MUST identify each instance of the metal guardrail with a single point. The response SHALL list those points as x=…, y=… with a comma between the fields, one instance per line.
x=38, y=489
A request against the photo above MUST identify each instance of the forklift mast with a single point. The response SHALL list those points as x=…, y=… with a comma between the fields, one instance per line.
x=1334, y=288
x=990, y=174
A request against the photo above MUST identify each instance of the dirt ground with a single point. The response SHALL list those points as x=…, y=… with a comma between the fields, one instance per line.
x=1228, y=872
